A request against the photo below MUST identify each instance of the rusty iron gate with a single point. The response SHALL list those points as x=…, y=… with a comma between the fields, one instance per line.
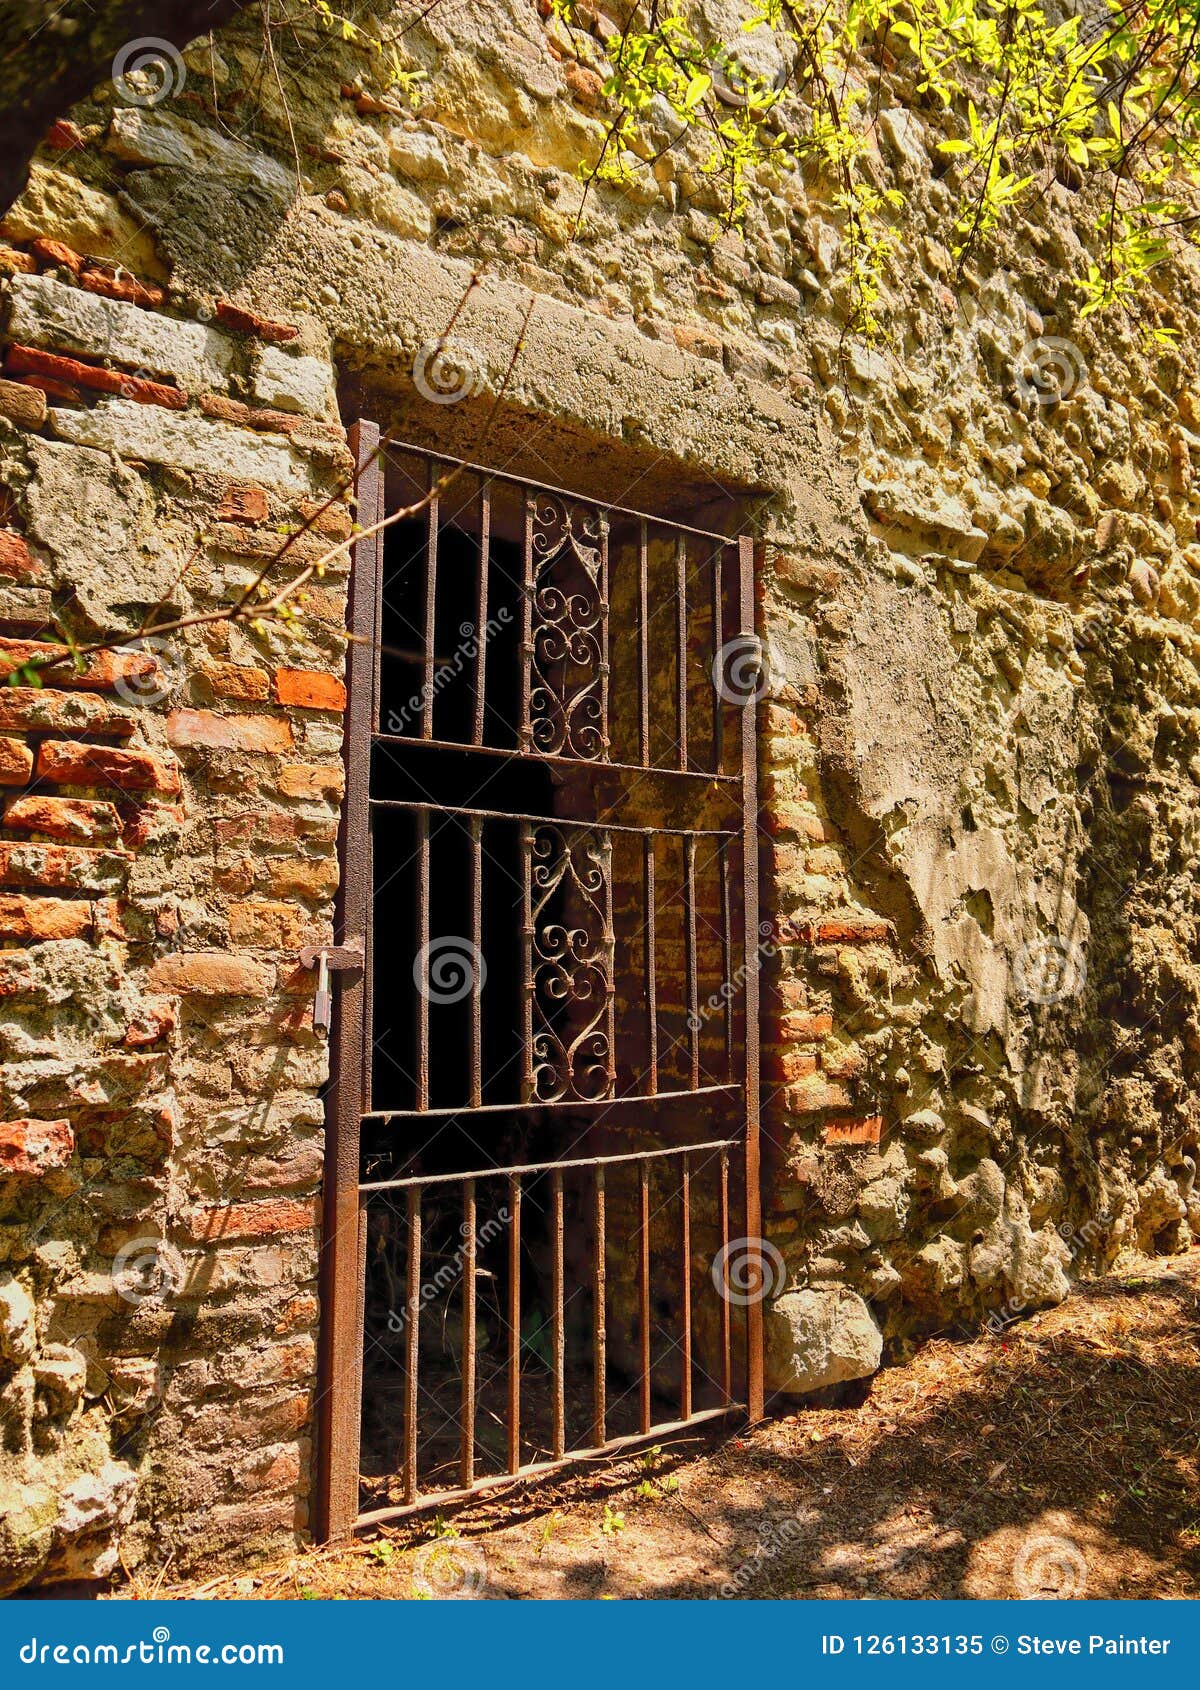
x=544, y=1045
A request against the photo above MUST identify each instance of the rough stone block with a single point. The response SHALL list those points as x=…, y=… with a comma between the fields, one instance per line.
x=286, y=381
x=25, y=406
x=48, y=313
x=143, y=136
x=817, y=1338
x=185, y=441
x=271, y=926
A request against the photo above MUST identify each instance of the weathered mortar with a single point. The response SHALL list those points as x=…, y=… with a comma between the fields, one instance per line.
x=980, y=737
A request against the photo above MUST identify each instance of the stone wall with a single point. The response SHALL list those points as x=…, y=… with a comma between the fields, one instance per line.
x=979, y=760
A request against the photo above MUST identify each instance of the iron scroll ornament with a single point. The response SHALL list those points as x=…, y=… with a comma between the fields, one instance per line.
x=569, y=965
x=567, y=655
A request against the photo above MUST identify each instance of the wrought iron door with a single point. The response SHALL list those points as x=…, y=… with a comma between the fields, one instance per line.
x=547, y=1006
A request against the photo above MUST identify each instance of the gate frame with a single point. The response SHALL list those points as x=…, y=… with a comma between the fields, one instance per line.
x=344, y=1216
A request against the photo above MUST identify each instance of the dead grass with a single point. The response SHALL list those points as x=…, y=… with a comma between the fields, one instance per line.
x=1081, y=1425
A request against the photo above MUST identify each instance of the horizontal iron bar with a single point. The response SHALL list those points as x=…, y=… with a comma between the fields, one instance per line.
x=402, y=447
x=540, y=1469
x=700, y=776
x=635, y=1100
x=568, y=822
x=549, y=1167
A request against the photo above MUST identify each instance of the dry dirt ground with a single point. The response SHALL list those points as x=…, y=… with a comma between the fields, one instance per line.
x=1061, y=1458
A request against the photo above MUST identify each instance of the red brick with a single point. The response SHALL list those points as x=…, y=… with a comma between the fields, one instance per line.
x=120, y=285
x=249, y=322
x=56, y=252
x=63, y=818
x=22, y=405
x=813, y=1094
x=277, y=422
x=789, y=1065
x=16, y=560
x=805, y=1028
x=72, y=764
x=64, y=137
x=30, y=361
x=49, y=388
x=16, y=762
x=39, y=709
x=44, y=918
x=238, y=680
x=301, y=877
x=845, y=933
x=253, y=1220
x=312, y=780
x=102, y=670
x=212, y=974
x=204, y=728
x=74, y=867
x=333, y=519
x=271, y=926
x=310, y=689
x=34, y=1147
x=242, y=502
x=13, y=263
x=853, y=1129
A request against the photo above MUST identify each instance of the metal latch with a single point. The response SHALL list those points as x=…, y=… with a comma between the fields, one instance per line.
x=323, y=958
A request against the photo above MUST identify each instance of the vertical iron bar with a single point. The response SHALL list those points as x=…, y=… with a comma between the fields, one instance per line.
x=557, y=1333
x=718, y=634
x=727, y=991
x=467, y=1451
x=644, y=1294
x=605, y=666
x=609, y=949
x=726, y=1345
x=693, y=980
x=685, y=1290
x=749, y=773
x=599, y=1330
x=681, y=629
x=341, y=1285
x=514, y=1323
x=481, y=608
x=644, y=645
x=527, y=983
x=651, y=967
x=412, y=1289
x=431, y=560
x=422, y=823
x=475, y=1055
x=527, y=588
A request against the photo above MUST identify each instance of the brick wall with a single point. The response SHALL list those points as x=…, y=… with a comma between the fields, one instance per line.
x=167, y=844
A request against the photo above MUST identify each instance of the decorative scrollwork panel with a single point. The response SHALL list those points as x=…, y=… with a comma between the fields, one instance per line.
x=566, y=645
x=569, y=960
